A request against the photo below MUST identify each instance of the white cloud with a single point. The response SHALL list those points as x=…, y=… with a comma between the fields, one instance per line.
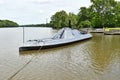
x=42, y=1
x=36, y=11
x=41, y=11
x=1, y=2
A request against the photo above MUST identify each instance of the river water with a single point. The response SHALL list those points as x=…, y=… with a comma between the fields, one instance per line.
x=94, y=59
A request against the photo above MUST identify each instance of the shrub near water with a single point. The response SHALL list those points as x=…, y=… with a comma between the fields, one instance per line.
x=8, y=23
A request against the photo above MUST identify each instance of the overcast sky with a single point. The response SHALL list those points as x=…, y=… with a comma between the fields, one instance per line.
x=37, y=11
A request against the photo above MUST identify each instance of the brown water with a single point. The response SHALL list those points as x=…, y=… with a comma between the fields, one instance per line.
x=94, y=59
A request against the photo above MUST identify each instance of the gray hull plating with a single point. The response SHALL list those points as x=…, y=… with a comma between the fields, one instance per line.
x=62, y=37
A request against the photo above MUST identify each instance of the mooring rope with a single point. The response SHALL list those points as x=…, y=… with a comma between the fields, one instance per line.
x=41, y=46
x=10, y=78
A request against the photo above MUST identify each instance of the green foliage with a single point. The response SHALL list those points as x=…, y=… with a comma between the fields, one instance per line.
x=101, y=13
x=83, y=15
x=104, y=13
x=117, y=15
x=59, y=20
x=73, y=19
x=36, y=25
x=85, y=24
x=8, y=23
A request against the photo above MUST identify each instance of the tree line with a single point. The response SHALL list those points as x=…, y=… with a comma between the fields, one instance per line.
x=101, y=13
x=36, y=25
x=8, y=23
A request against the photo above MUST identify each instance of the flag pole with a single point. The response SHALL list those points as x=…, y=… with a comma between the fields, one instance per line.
x=23, y=35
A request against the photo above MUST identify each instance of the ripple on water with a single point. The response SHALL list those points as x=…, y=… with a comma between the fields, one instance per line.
x=94, y=59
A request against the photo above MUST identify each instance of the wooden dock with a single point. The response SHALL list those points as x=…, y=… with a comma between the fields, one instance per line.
x=101, y=30
x=112, y=31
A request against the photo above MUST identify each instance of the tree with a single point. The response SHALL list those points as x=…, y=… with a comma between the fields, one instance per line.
x=73, y=19
x=85, y=24
x=59, y=19
x=103, y=12
x=117, y=15
x=8, y=23
x=83, y=15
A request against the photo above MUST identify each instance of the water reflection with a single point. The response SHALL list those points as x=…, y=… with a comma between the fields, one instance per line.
x=103, y=52
x=70, y=62
x=94, y=59
x=112, y=72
